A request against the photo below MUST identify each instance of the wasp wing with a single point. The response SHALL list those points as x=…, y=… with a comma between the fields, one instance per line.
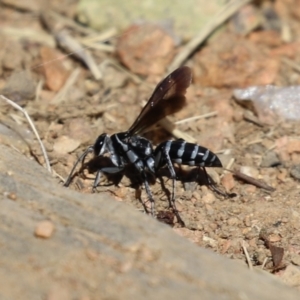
x=167, y=98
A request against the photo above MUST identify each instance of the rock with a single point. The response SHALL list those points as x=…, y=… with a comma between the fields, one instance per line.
x=146, y=49
x=295, y=171
x=291, y=276
x=295, y=258
x=44, y=229
x=129, y=249
x=249, y=171
x=270, y=160
x=64, y=145
x=228, y=182
x=55, y=73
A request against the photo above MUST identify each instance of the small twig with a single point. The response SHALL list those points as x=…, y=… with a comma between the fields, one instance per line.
x=28, y=34
x=252, y=180
x=101, y=37
x=68, y=42
x=38, y=89
x=250, y=117
x=171, y=127
x=100, y=47
x=226, y=12
x=96, y=41
x=204, y=116
x=255, y=142
x=117, y=65
x=247, y=255
x=230, y=163
x=264, y=262
x=16, y=106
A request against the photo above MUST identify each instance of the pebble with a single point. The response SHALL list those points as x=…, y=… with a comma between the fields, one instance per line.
x=295, y=258
x=270, y=160
x=295, y=171
x=44, y=229
x=12, y=196
x=65, y=145
x=228, y=182
x=209, y=198
x=233, y=221
x=274, y=238
x=250, y=189
x=196, y=195
x=291, y=275
x=250, y=171
x=247, y=221
x=210, y=241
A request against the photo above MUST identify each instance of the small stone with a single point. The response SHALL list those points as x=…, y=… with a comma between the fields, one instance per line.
x=196, y=195
x=247, y=221
x=250, y=189
x=295, y=171
x=291, y=275
x=233, y=221
x=209, y=241
x=146, y=49
x=293, y=145
x=64, y=145
x=44, y=229
x=260, y=256
x=55, y=73
x=295, y=258
x=228, y=182
x=273, y=238
x=209, y=198
x=246, y=230
x=282, y=175
x=270, y=160
x=250, y=171
x=12, y=196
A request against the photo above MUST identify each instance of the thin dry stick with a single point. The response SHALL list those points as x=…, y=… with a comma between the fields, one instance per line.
x=204, y=116
x=71, y=44
x=264, y=263
x=38, y=89
x=16, y=106
x=100, y=47
x=100, y=37
x=230, y=9
x=96, y=41
x=230, y=163
x=171, y=127
x=247, y=255
x=136, y=79
x=252, y=180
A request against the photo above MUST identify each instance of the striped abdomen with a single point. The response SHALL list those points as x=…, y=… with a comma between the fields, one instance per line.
x=185, y=153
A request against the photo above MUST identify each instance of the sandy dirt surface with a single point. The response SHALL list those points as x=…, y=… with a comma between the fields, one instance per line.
x=71, y=107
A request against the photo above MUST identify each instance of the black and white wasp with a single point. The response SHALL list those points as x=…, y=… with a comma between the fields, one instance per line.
x=129, y=148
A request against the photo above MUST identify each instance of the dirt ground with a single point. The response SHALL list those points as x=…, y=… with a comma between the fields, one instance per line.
x=71, y=107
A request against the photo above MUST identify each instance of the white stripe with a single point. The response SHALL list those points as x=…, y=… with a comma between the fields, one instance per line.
x=204, y=158
x=195, y=151
x=181, y=150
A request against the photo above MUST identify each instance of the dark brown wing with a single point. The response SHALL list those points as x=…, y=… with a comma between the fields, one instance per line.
x=167, y=98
